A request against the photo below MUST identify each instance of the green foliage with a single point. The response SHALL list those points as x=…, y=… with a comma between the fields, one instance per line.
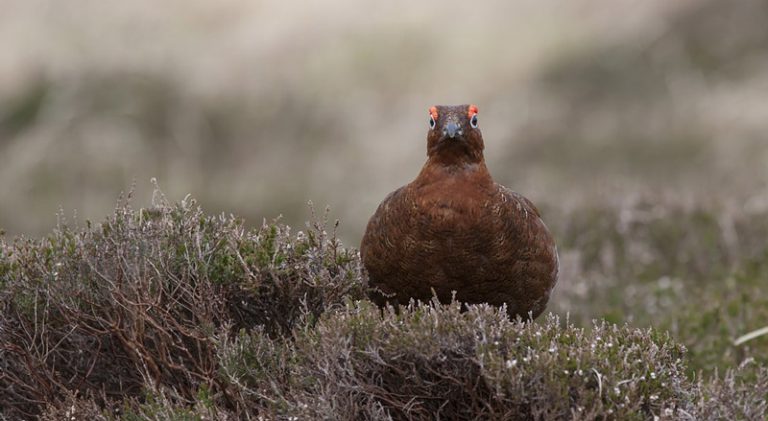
x=21, y=112
x=710, y=323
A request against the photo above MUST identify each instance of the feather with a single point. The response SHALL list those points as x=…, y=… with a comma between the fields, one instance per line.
x=454, y=230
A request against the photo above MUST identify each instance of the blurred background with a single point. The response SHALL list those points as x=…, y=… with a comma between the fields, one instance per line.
x=638, y=128
x=257, y=107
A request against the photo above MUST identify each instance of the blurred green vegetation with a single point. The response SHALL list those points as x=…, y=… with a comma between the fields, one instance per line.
x=698, y=272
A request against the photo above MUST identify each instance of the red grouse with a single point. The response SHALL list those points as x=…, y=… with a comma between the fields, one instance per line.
x=454, y=229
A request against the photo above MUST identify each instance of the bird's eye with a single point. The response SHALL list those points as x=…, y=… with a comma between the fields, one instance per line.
x=432, y=122
x=473, y=121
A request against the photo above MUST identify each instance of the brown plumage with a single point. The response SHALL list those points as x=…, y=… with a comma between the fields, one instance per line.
x=454, y=229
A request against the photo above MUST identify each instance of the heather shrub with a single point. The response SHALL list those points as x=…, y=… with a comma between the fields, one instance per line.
x=169, y=314
x=695, y=270
x=140, y=298
x=435, y=362
x=741, y=394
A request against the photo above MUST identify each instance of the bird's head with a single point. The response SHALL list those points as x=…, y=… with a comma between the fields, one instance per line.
x=454, y=135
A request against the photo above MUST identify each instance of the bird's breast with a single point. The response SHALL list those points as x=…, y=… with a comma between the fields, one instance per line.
x=448, y=214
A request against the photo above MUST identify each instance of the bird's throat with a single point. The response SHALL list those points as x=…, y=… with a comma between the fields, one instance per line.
x=457, y=154
x=438, y=169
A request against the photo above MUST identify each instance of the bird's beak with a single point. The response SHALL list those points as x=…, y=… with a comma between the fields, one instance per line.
x=451, y=129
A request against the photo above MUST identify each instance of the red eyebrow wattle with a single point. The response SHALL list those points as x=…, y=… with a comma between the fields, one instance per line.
x=433, y=112
x=472, y=110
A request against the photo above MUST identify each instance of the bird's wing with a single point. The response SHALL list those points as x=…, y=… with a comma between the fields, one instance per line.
x=385, y=219
x=518, y=201
x=381, y=247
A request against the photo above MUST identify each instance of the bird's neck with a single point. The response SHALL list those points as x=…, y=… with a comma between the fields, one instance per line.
x=441, y=167
x=457, y=154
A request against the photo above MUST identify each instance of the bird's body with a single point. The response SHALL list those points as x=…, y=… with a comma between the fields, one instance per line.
x=453, y=229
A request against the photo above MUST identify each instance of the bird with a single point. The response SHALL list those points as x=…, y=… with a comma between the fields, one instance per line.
x=454, y=233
